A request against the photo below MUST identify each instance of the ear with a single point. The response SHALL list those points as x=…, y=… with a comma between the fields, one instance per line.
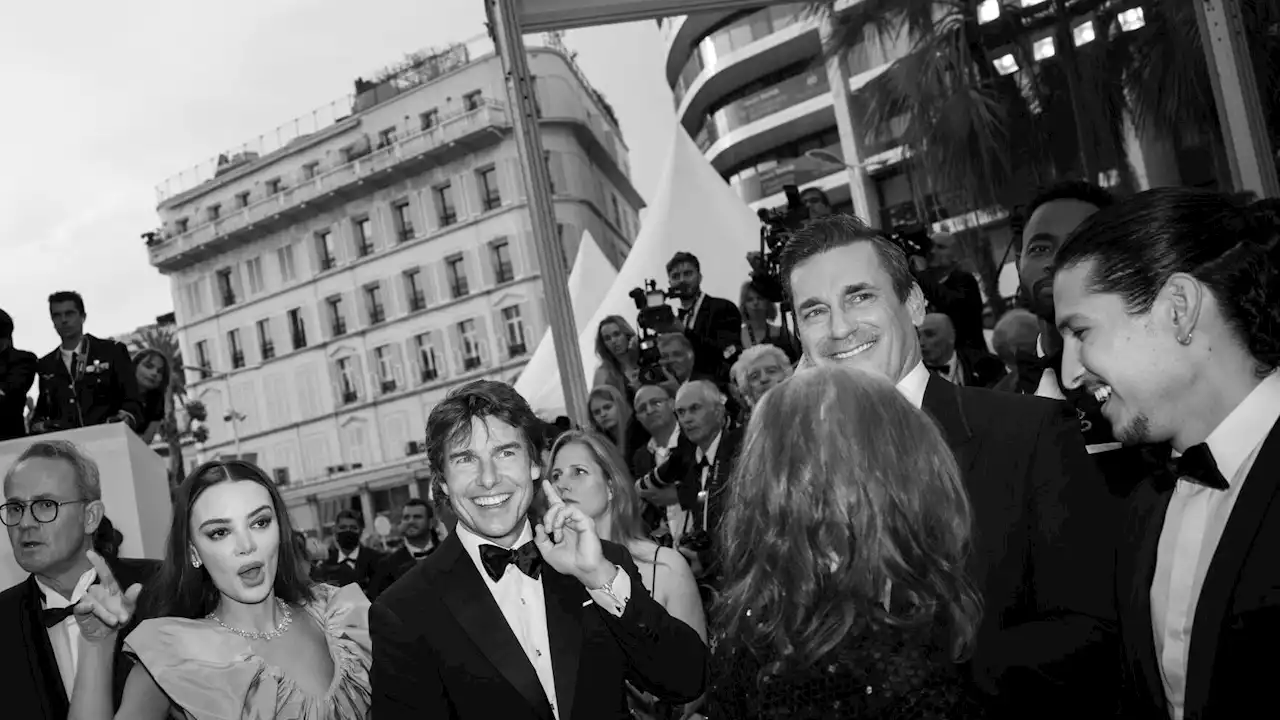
x=93, y=514
x=1179, y=306
x=916, y=304
x=192, y=555
x=535, y=471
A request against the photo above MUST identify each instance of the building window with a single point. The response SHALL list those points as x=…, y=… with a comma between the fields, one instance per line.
x=387, y=137
x=324, y=250
x=284, y=256
x=237, y=351
x=470, y=345
x=617, y=212
x=551, y=179
x=265, y=344
x=297, y=329
x=514, y=325
x=242, y=199
x=386, y=368
x=364, y=236
x=457, y=272
x=226, y=288
x=471, y=101
x=413, y=290
x=310, y=170
x=214, y=211
x=202, y=359
x=373, y=301
x=429, y=119
x=180, y=225
x=500, y=256
x=254, y=270
x=403, y=219
x=428, y=363
x=337, y=322
x=274, y=186
x=347, y=380
x=444, y=204
x=489, y=194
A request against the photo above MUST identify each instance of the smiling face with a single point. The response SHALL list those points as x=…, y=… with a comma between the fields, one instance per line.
x=1129, y=362
x=848, y=313
x=604, y=411
x=236, y=536
x=150, y=372
x=676, y=358
x=1045, y=230
x=51, y=548
x=580, y=480
x=489, y=479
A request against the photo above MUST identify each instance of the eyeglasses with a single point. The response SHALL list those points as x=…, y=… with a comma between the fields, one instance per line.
x=44, y=511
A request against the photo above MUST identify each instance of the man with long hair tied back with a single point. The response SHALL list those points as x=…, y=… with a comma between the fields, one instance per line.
x=1169, y=309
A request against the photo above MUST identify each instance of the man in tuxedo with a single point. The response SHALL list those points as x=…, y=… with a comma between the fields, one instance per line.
x=349, y=560
x=17, y=374
x=417, y=527
x=713, y=325
x=1169, y=308
x=86, y=380
x=1040, y=565
x=52, y=507
x=512, y=620
x=966, y=366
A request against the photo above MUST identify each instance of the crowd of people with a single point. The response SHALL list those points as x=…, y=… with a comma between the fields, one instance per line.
x=874, y=515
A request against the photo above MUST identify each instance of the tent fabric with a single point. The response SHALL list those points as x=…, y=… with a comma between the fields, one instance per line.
x=589, y=282
x=696, y=211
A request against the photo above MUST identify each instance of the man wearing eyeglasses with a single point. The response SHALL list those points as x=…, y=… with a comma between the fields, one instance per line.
x=51, y=508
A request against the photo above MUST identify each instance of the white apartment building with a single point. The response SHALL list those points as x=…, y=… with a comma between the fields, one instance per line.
x=332, y=286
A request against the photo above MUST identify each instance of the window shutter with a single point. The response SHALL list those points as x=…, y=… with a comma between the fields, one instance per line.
x=485, y=341
x=462, y=195
x=525, y=241
x=513, y=176
x=398, y=366
x=455, y=351
x=500, y=342
x=487, y=271
x=443, y=292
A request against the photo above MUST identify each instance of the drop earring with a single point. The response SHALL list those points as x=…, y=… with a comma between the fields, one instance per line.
x=195, y=563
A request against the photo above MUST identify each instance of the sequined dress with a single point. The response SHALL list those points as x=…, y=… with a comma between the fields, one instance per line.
x=212, y=674
x=883, y=673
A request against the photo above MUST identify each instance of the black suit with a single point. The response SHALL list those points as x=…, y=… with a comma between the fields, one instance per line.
x=17, y=374
x=1231, y=666
x=716, y=336
x=395, y=565
x=443, y=650
x=957, y=295
x=1044, y=533
x=338, y=574
x=104, y=383
x=980, y=368
x=33, y=685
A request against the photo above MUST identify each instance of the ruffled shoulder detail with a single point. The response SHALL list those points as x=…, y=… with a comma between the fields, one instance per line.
x=204, y=671
x=344, y=615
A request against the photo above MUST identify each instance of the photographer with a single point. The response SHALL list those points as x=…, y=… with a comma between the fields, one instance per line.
x=712, y=325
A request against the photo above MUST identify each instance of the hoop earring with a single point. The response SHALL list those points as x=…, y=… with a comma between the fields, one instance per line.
x=1186, y=340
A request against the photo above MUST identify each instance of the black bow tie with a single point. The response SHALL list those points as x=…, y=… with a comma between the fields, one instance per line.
x=496, y=559
x=53, y=616
x=939, y=369
x=1198, y=466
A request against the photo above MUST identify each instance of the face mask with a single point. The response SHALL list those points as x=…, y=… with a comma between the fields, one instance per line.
x=348, y=540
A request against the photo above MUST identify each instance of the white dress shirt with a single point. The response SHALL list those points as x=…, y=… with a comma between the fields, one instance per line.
x=523, y=604
x=710, y=456
x=913, y=384
x=955, y=375
x=65, y=636
x=1193, y=525
x=675, y=514
x=353, y=556
x=692, y=315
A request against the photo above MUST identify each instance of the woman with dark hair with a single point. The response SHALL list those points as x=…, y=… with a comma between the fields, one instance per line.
x=153, y=372
x=845, y=538
x=236, y=628
x=588, y=472
x=618, y=348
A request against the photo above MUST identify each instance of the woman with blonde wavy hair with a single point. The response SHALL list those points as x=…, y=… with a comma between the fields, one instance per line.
x=618, y=348
x=845, y=539
x=589, y=472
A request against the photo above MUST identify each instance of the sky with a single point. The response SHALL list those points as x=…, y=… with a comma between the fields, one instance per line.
x=106, y=100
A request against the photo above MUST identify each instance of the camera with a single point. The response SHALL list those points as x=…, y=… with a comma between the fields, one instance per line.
x=654, y=315
x=913, y=239
x=779, y=224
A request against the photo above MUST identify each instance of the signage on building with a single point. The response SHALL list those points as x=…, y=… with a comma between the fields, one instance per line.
x=546, y=15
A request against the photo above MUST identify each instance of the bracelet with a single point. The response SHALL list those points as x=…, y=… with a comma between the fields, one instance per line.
x=607, y=588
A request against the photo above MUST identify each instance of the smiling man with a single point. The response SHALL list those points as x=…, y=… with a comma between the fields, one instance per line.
x=1042, y=569
x=509, y=619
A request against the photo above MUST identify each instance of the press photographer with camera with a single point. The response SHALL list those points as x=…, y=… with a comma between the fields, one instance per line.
x=712, y=324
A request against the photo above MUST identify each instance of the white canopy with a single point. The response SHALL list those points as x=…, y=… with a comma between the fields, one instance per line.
x=695, y=211
x=589, y=281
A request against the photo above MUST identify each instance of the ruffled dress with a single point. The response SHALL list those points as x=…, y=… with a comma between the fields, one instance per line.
x=212, y=674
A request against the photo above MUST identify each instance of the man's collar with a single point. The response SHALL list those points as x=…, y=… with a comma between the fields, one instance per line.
x=913, y=384
x=1244, y=429
x=53, y=599
x=712, y=450
x=471, y=543
x=343, y=555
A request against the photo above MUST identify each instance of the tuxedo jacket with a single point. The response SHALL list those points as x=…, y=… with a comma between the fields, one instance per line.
x=366, y=566
x=442, y=648
x=393, y=566
x=1044, y=532
x=103, y=384
x=981, y=369
x=1231, y=665
x=33, y=684
x=957, y=295
x=716, y=336
x=17, y=374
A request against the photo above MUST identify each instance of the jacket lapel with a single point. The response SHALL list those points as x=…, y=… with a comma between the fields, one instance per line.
x=1251, y=508
x=564, y=597
x=467, y=596
x=40, y=652
x=942, y=402
x=1139, y=567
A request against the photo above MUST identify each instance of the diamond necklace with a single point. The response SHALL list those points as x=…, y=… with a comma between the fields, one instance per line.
x=281, y=627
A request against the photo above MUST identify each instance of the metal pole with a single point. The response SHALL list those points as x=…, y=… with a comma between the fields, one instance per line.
x=1235, y=92
x=504, y=26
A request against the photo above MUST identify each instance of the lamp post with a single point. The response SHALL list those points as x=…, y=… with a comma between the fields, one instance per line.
x=232, y=415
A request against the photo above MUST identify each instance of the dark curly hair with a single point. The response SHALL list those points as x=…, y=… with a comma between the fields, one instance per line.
x=449, y=423
x=1225, y=242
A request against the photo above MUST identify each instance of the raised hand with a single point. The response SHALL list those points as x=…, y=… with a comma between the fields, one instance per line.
x=105, y=609
x=567, y=539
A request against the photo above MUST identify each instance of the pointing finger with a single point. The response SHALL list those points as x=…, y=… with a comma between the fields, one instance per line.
x=553, y=497
x=105, y=578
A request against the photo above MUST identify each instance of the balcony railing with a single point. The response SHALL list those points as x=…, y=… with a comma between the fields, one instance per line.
x=735, y=36
x=761, y=104
x=490, y=114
